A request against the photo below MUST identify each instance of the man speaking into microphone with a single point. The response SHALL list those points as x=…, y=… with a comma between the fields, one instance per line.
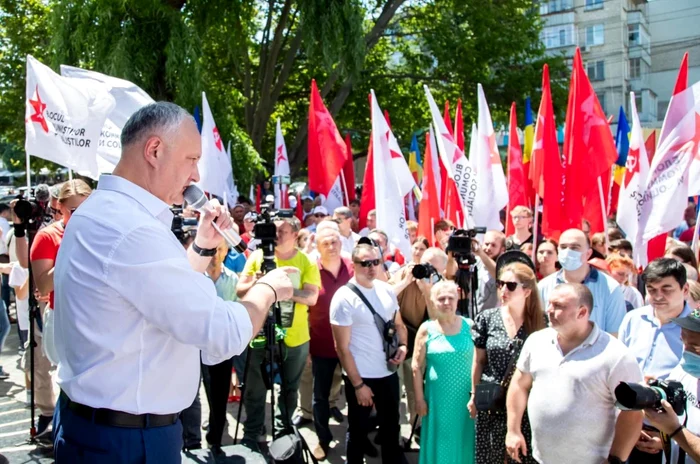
x=134, y=310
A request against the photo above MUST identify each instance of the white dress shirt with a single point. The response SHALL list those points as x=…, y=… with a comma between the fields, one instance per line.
x=5, y=226
x=131, y=313
x=349, y=243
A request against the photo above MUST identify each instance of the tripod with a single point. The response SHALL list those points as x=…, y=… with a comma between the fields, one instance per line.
x=468, y=281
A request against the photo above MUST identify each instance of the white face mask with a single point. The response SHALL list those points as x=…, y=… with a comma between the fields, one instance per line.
x=569, y=259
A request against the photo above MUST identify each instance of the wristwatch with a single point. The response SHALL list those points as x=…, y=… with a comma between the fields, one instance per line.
x=614, y=459
x=207, y=252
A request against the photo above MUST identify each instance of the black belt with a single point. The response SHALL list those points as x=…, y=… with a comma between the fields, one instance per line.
x=112, y=418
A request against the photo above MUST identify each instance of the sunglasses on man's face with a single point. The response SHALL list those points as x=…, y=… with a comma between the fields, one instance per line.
x=368, y=262
x=511, y=286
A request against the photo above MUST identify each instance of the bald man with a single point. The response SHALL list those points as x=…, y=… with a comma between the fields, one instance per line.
x=608, y=300
x=135, y=309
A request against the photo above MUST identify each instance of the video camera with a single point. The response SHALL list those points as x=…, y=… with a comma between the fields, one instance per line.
x=460, y=244
x=182, y=227
x=637, y=396
x=461, y=247
x=33, y=210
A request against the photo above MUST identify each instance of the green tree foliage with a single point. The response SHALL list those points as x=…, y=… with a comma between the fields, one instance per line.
x=256, y=58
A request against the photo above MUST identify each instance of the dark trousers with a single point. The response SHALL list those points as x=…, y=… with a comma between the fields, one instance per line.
x=323, y=370
x=640, y=457
x=5, y=292
x=191, y=419
x=386, y=401
x=217, y=384
x=82, y=441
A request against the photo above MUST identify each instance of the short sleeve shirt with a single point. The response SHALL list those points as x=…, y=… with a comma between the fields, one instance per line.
x=45, y=246
x=298, y=333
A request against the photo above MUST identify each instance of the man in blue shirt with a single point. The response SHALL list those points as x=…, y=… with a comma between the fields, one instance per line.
x=653, y=337
x=608, y=300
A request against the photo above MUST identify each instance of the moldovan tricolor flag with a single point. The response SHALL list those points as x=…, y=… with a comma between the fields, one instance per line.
x=64, y=118
x=633, y=186
x=392, y=181
x=492, y=192
x=460, y=179
x=128, y=98
x=212, y=165
x=281, y=169
x=666, y=195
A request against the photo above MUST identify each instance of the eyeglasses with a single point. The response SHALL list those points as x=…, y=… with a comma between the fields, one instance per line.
x=368, y=262
x=54, y=211
x=511, y=286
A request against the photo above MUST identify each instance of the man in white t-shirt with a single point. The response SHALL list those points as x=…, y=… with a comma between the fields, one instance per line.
x=348, y=238
x=368, y=379
x=566, y=376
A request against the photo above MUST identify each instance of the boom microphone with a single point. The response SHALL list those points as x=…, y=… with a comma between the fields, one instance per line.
x=195, y=197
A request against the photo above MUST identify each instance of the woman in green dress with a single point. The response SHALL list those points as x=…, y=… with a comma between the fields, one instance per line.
x=444, y=350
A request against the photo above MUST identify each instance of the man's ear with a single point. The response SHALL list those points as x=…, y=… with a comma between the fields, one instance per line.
x=153, y=150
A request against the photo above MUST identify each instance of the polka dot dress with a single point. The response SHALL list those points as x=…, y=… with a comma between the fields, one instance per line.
x=490, y=334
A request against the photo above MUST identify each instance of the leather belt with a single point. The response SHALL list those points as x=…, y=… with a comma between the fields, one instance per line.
x=112, y=418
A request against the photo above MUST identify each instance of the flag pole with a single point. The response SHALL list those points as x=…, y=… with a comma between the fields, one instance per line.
x=29, y=181
x=605, y=216
x=70, y=174
x=534, y=230
x=345, y=188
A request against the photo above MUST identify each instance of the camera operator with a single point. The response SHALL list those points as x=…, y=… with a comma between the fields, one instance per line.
x=413, y=295
x=134, y=309
x=682, y=433
x=296, y=341
x=653, y=337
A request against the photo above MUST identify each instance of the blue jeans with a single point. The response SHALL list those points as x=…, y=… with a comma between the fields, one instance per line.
x=323, y=370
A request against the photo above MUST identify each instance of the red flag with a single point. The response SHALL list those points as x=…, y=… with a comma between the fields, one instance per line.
x=546, y=165
x=650, y=145
x=459, y=126
x=349, y=170
x=300, y=210
x=429, y=212
x=367, y=202
x=682, y=79
x=516, y=172
x=589, y=149
x=326, y=148
x=257, y=198
x=446, y=116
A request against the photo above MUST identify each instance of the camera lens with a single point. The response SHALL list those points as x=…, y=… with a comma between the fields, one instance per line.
x=420, y=271
x=634, y=396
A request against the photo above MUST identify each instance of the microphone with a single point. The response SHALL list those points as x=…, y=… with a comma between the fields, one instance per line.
x=195, y=197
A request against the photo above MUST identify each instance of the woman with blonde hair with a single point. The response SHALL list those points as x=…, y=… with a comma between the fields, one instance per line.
x=499, y=334
x=622, y=269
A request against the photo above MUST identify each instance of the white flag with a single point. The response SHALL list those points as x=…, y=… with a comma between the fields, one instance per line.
x=457, y=165
x=492, y=191
x=211, y=165
x=666, y=193
x=335, y=196
x=392, y=181
x=281, y=167
x=632, y=188
x=231, y=191
x=128, y=98
x=64, y=118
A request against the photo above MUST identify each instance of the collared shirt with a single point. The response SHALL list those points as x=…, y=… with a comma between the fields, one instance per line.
x=658, y=348
x=572, y=391
x=691, y=386
x=135, y=312
x=322, y=344
x=349, y=242
x=226, y=284
x=608, y=301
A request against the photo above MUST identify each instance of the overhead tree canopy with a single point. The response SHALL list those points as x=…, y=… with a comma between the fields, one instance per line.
x=255, y=59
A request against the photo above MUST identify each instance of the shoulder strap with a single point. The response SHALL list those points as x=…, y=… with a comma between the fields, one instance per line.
x=357, y=291
x=515, y=351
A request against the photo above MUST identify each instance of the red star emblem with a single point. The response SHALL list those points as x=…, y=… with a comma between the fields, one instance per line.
x=280, y=155
x=38, y=106
x=217, y=139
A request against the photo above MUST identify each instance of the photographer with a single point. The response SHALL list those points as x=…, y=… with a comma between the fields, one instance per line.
x=683, y=434
x=306, y=288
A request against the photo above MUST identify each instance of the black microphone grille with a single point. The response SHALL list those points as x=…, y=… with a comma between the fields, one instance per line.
x=194, y=196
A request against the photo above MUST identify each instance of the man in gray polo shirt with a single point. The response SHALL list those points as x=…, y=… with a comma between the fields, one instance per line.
x=566, y=376
x=574, y=253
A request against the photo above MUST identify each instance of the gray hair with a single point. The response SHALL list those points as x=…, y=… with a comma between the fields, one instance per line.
x=434, y=252
x=584, y=297
x=55, y=190
x=158, y=116
x=343, y=211
x=444, y=285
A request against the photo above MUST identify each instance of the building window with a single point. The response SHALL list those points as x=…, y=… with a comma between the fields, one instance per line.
x=633, y=34
x=638, y=100
x=595, y=35
x=601, y=99
x=594, y=4
x=558, y=36
x=635, y=68
x=555, y=6
x=596, y=70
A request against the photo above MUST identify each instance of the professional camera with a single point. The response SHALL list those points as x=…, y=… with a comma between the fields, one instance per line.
x=182, y=227
x=426, y=271
x=33, y=210
x=460, y=244
x=636, y=396
x=265, y=229
x=461, y=247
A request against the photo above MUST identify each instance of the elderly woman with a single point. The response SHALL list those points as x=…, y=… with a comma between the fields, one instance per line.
x=445, y=348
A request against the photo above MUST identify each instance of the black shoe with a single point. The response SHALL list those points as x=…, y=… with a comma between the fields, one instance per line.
x=216, y=450
x=370, y=450
x=337, y=415
x=300, y=421
x=251, y=445
x=43, y=427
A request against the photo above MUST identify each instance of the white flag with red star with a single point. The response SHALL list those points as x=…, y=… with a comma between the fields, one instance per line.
x=281, y=169
x=213, y=165
x=64, y=118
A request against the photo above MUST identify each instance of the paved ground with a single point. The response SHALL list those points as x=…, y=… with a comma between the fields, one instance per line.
x=15, y=418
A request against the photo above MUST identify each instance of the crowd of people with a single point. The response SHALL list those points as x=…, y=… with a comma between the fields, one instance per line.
x=526, y=375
